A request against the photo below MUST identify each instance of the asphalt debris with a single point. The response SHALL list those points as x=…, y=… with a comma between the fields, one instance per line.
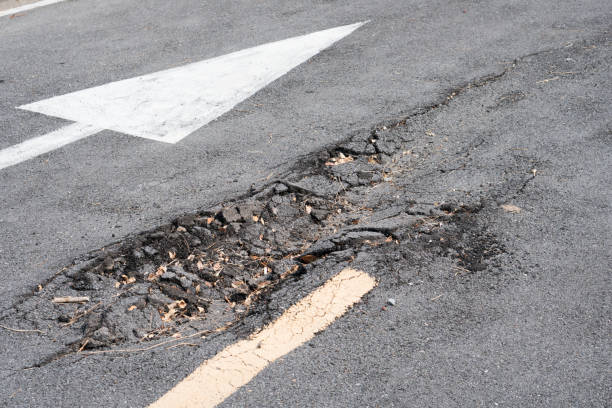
x=206, y=271
x=352, y=202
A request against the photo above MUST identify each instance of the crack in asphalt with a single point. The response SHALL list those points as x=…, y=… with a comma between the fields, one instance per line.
x=267, y=190
x=334, y=200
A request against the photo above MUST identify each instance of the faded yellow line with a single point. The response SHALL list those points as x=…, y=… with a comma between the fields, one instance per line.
x=236, y=365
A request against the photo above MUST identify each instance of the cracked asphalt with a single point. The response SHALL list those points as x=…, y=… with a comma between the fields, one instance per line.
x=489, y=124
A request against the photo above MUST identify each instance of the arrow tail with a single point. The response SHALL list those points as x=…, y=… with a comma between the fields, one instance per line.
x=43, y=144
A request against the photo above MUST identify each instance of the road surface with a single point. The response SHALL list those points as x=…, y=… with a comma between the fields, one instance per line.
x=515, y=94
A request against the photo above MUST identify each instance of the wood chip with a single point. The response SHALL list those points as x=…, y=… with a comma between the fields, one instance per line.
x=547, y=80
x=511, y=208
x=334, y=161
x=308, y=258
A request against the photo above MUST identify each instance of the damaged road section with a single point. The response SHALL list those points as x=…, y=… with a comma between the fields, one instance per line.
x=405, y=191
x=206, y=271
x=483, y=217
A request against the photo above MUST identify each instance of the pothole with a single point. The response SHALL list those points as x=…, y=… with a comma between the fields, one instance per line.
x=206, y=271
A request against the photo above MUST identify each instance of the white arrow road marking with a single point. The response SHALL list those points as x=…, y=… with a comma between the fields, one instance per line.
x=236, y=365
x=169, y=105
x=27, y=7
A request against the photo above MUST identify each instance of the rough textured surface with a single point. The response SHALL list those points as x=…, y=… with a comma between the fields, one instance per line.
x=503, y=307
x=446, y=110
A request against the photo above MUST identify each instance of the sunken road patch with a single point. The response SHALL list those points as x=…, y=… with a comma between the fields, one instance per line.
x=207, y=271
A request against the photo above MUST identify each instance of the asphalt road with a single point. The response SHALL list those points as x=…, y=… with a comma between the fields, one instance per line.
x=534, y=333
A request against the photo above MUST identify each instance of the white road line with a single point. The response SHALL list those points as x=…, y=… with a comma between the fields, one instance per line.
x=169, y=105
x=27, y=7
x=218, y=378
x=45, y=143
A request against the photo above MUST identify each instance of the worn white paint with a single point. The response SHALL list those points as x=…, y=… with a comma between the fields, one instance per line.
x=168, y=105
x=45, y=143
x=27, y=7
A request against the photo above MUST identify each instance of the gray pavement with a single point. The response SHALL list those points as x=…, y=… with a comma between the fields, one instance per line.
x=11, y=4
x=532, y=331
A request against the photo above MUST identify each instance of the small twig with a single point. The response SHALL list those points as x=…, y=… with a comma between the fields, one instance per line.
x=78, y=316
x=88, y=311
x=460, y=269
x=297, y=189
x=84, y=344
x=186, y=243
x=21, y=330
x=543, y=81
x=71, y=299
x=181, y=344
x=163, y=343
x=436, y=298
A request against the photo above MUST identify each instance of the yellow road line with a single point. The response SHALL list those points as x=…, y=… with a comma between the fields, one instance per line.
x=236, y=365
